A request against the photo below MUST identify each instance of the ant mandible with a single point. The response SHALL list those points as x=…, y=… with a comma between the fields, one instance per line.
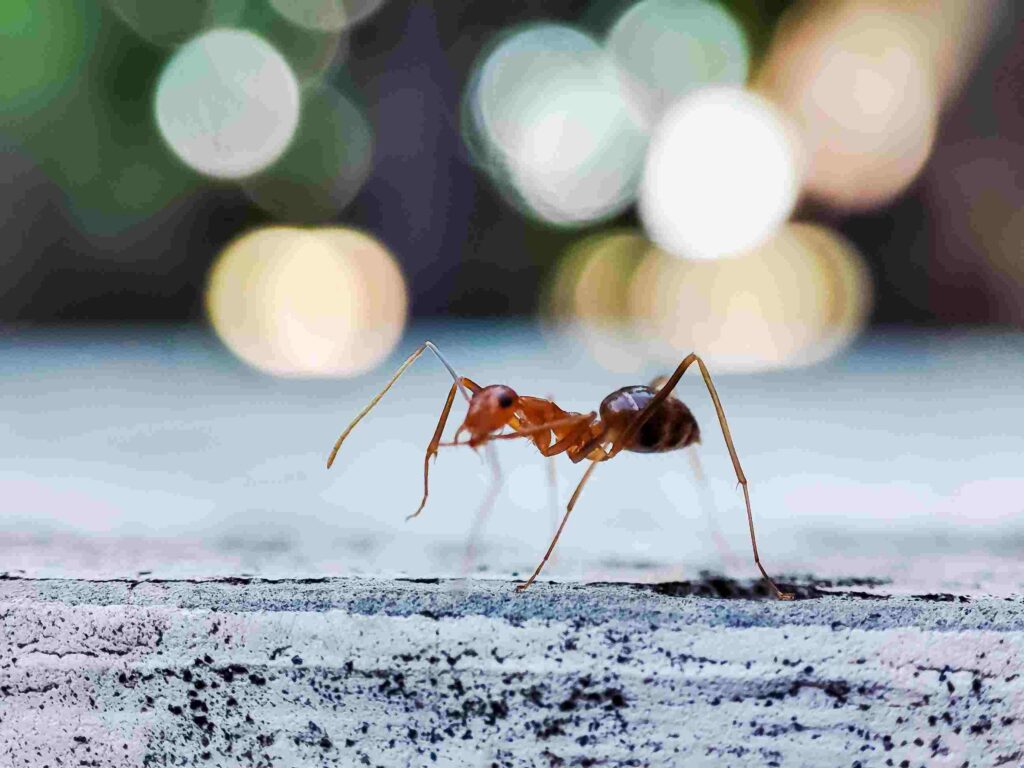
x=642, y=419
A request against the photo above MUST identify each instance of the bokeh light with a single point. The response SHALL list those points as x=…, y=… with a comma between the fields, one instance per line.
x=722, y=173
x=42, y=45
x=547, y=116
x=847, y=284
x=798, y=298
x=160, y=22
x=227, y=104
x=859, y=82
x=307, y=302
x=952, y=56
x=667, y=48
x=92, y=133
x=587, y=298
x=325, y=166
x=326, y=15
x=313, y=54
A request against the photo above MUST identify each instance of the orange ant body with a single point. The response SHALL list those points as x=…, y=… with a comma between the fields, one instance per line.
x=642, y=419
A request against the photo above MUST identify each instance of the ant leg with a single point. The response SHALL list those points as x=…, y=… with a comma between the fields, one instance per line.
x=432, y=448
x=573, y=437
x=522, y=431
x=558, y=533
x=740, y=477
x=707, y=504
x=435, y=442
x=594, y=444
x=568, y=421
x=484, y=510
x=462, y=384
x=550, y=452
x=552, y=473
x=641, y=418
x=488, y=503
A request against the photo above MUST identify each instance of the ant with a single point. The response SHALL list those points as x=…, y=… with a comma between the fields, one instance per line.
x=642, y=419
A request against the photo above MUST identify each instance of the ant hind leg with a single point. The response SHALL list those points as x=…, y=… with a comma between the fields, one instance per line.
x=642, y=417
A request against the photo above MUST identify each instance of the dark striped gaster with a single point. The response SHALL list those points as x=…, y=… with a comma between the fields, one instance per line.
x=670, y=427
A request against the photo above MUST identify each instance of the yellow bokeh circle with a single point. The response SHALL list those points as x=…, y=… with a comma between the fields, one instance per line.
x=307, y=302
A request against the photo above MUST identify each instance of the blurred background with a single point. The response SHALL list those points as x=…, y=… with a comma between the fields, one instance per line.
x=137, y=143
x=224, y=209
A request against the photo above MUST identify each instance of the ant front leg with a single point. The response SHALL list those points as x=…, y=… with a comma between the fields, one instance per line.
x=641, y=418
x=434, y=443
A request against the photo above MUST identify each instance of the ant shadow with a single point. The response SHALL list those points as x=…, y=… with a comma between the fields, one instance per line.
x=718, y=587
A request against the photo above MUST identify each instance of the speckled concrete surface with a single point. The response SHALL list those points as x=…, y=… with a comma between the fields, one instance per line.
x=339, y=672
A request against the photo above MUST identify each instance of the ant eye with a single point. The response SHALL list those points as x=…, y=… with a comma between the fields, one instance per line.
x=505, y=401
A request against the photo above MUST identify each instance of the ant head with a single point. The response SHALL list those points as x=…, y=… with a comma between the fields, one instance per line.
x=489, y=410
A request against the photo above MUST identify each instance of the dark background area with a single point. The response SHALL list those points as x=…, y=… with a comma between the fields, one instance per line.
x=464, y=250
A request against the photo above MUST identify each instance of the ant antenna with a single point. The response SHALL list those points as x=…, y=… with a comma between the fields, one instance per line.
x=458, y=379
x=402, y=368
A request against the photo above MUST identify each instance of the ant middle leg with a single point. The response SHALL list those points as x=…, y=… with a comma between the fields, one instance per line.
x=579, y=426
x=484, y=510
x=552, y=478
x=551, y=547
x=576, y=454
x=552, y=485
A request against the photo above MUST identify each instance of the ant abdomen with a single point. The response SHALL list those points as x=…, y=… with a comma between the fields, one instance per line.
x=670, y=427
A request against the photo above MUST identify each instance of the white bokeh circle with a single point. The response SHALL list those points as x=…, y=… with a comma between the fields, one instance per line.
x=553, y=127
x=667, y=48
x=723, y=172
x=227, y=103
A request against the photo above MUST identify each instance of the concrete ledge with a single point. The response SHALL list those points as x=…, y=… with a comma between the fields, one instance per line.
x=349, y=671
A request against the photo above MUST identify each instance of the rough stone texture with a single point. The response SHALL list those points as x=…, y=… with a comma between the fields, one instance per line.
x=339, y=672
